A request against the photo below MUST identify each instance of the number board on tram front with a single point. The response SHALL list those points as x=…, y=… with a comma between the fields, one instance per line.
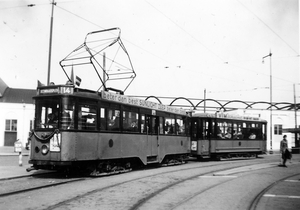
x=47, y=90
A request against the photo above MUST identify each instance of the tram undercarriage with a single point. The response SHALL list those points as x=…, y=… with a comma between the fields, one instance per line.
x=104, y=167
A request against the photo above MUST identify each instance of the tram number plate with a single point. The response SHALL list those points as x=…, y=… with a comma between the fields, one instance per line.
x=66, y=90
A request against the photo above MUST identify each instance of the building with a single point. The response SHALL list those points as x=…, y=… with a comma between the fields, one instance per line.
x=16, y=114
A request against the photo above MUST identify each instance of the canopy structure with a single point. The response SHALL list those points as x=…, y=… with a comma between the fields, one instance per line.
x=103, y=56
x=291, y=130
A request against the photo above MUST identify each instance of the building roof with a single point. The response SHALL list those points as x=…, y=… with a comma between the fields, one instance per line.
x=3, y=87
x=15, y=95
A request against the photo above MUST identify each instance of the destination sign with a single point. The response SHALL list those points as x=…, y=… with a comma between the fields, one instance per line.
x=55, y=90
x=226, y=116
x=140, y=102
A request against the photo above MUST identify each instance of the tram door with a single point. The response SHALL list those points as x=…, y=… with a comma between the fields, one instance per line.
x=152, y=124
x=203, y=136
x=206, y=129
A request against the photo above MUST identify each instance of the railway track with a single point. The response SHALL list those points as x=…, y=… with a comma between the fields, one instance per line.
x=145, y=188
x=253, y=205
x=18, y=185
x=135, y=190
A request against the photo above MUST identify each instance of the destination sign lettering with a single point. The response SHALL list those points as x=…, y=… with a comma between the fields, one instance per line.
x=49, y=91
x=226, y=116
x=56, y=90
x=141, y=103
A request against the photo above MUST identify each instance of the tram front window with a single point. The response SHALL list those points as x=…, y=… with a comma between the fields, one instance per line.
x=47, y=112
x=67, y=114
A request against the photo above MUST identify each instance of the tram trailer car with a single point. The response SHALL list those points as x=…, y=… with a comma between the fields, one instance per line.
x=223, y=135
x=104, y=131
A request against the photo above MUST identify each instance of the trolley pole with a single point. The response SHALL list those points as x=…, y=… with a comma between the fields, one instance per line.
x=271, y=124
x=104, y=71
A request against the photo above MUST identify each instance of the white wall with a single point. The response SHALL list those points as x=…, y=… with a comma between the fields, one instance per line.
x=23, y=113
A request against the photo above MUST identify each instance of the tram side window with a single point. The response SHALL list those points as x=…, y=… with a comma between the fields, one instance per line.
x=113, y=120
x=87, y=117
x=212, y=129
x=102, y=119
x=252, y=131
x=143, y=124
x=187, y=123
x=47, y=112
x=264, y=134
x=169, y=125
x=154, y=124
x=180, y=126
x=224, y=130
x=130, y=121
x=237, y=131
x=161, y=125
x=205, y=129
x=195, y=127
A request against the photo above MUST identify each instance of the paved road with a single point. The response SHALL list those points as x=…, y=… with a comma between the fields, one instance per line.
x=225, y=189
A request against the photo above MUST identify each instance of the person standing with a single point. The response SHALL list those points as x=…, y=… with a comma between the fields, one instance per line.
x=283, y=150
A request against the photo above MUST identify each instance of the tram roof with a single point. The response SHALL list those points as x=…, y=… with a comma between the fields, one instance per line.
x=107, y=96
x=228, y=116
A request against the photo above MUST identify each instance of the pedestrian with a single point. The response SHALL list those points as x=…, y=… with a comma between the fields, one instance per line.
x=285, y=154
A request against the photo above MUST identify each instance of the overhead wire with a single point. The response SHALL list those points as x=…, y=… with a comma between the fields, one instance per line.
x=268, y=27
x=189, y=34
x=78, y=16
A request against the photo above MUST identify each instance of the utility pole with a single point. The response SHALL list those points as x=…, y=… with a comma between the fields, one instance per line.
x=271, y=124
x=295, y=108
x=50, y=43
x=204, y=100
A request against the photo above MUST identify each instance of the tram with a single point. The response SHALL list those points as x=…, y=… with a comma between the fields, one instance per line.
x=104, y=131
x=222, y=135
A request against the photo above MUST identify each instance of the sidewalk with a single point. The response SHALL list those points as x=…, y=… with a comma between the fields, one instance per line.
x=10, y=163
x=8, y=151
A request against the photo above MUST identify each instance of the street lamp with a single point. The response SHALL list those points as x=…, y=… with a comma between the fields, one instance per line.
x=271, y=126
x=50, y=39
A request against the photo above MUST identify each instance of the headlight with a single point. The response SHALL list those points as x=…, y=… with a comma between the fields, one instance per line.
x=45, y=149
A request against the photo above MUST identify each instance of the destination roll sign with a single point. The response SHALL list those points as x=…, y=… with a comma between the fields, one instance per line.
x=48, y=90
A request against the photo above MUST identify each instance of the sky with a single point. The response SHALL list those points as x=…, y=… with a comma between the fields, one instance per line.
x=178, y=48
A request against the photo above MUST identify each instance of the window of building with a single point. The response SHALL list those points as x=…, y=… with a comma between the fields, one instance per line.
x=11, y=125
x=277, y=129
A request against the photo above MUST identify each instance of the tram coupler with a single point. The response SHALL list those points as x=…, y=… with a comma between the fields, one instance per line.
x=31, y=169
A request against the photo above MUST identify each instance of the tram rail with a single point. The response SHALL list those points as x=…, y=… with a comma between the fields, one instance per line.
x=139, y=202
